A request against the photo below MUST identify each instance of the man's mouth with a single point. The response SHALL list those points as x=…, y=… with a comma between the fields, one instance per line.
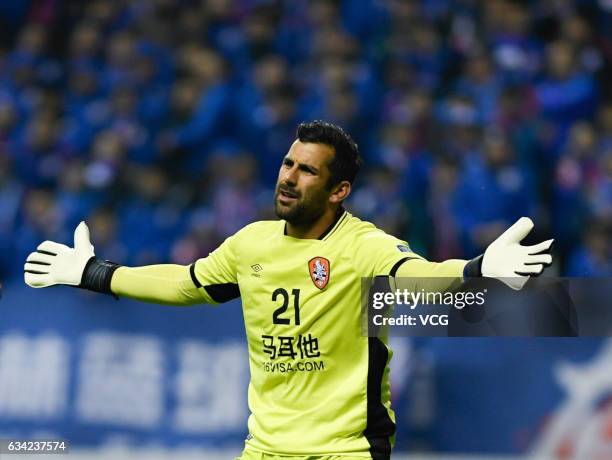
x=287, y=195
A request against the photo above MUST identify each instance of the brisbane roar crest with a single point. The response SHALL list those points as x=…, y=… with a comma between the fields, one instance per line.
x=318, y=267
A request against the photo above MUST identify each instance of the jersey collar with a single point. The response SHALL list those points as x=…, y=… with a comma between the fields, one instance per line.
x=331, y=229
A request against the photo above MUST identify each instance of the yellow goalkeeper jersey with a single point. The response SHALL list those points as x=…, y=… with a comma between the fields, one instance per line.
x=318, y=387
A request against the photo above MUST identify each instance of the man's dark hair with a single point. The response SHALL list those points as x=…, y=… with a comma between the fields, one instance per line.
x=346, y=162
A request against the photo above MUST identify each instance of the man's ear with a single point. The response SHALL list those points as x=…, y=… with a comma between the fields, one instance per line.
x=340, y=192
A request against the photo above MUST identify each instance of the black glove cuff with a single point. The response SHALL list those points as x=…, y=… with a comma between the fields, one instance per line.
x=98, y=274
x=473, y=269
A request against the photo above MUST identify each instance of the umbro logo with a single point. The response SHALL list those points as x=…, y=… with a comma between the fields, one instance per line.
x=256, y=269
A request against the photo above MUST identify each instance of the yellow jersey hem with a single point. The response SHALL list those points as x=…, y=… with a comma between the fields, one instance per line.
x=319, y=454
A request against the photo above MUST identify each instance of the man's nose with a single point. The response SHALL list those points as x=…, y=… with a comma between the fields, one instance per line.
x=291, y=175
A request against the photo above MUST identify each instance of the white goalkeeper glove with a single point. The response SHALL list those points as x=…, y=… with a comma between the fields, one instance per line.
x=54, y=263
x=510, y=262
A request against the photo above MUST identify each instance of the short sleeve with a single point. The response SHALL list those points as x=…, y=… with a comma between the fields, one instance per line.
x=217, y=273
x=379, y=254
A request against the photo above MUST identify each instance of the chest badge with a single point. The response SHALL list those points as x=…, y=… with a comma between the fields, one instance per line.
x=318, y=268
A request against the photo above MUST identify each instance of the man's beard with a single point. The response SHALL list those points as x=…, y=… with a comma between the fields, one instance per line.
x=302, y=212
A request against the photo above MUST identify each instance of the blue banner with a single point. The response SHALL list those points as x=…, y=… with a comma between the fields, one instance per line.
x=89, y=368
x=95, y=371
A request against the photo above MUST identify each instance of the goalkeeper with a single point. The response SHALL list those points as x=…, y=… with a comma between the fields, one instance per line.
x=318, y=387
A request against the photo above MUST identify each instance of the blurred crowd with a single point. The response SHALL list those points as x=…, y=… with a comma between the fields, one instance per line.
x=162, y=123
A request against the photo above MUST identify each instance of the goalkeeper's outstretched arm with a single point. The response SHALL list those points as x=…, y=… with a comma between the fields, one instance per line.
x=167, y=284
x=53, y=263
x=505, y=259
